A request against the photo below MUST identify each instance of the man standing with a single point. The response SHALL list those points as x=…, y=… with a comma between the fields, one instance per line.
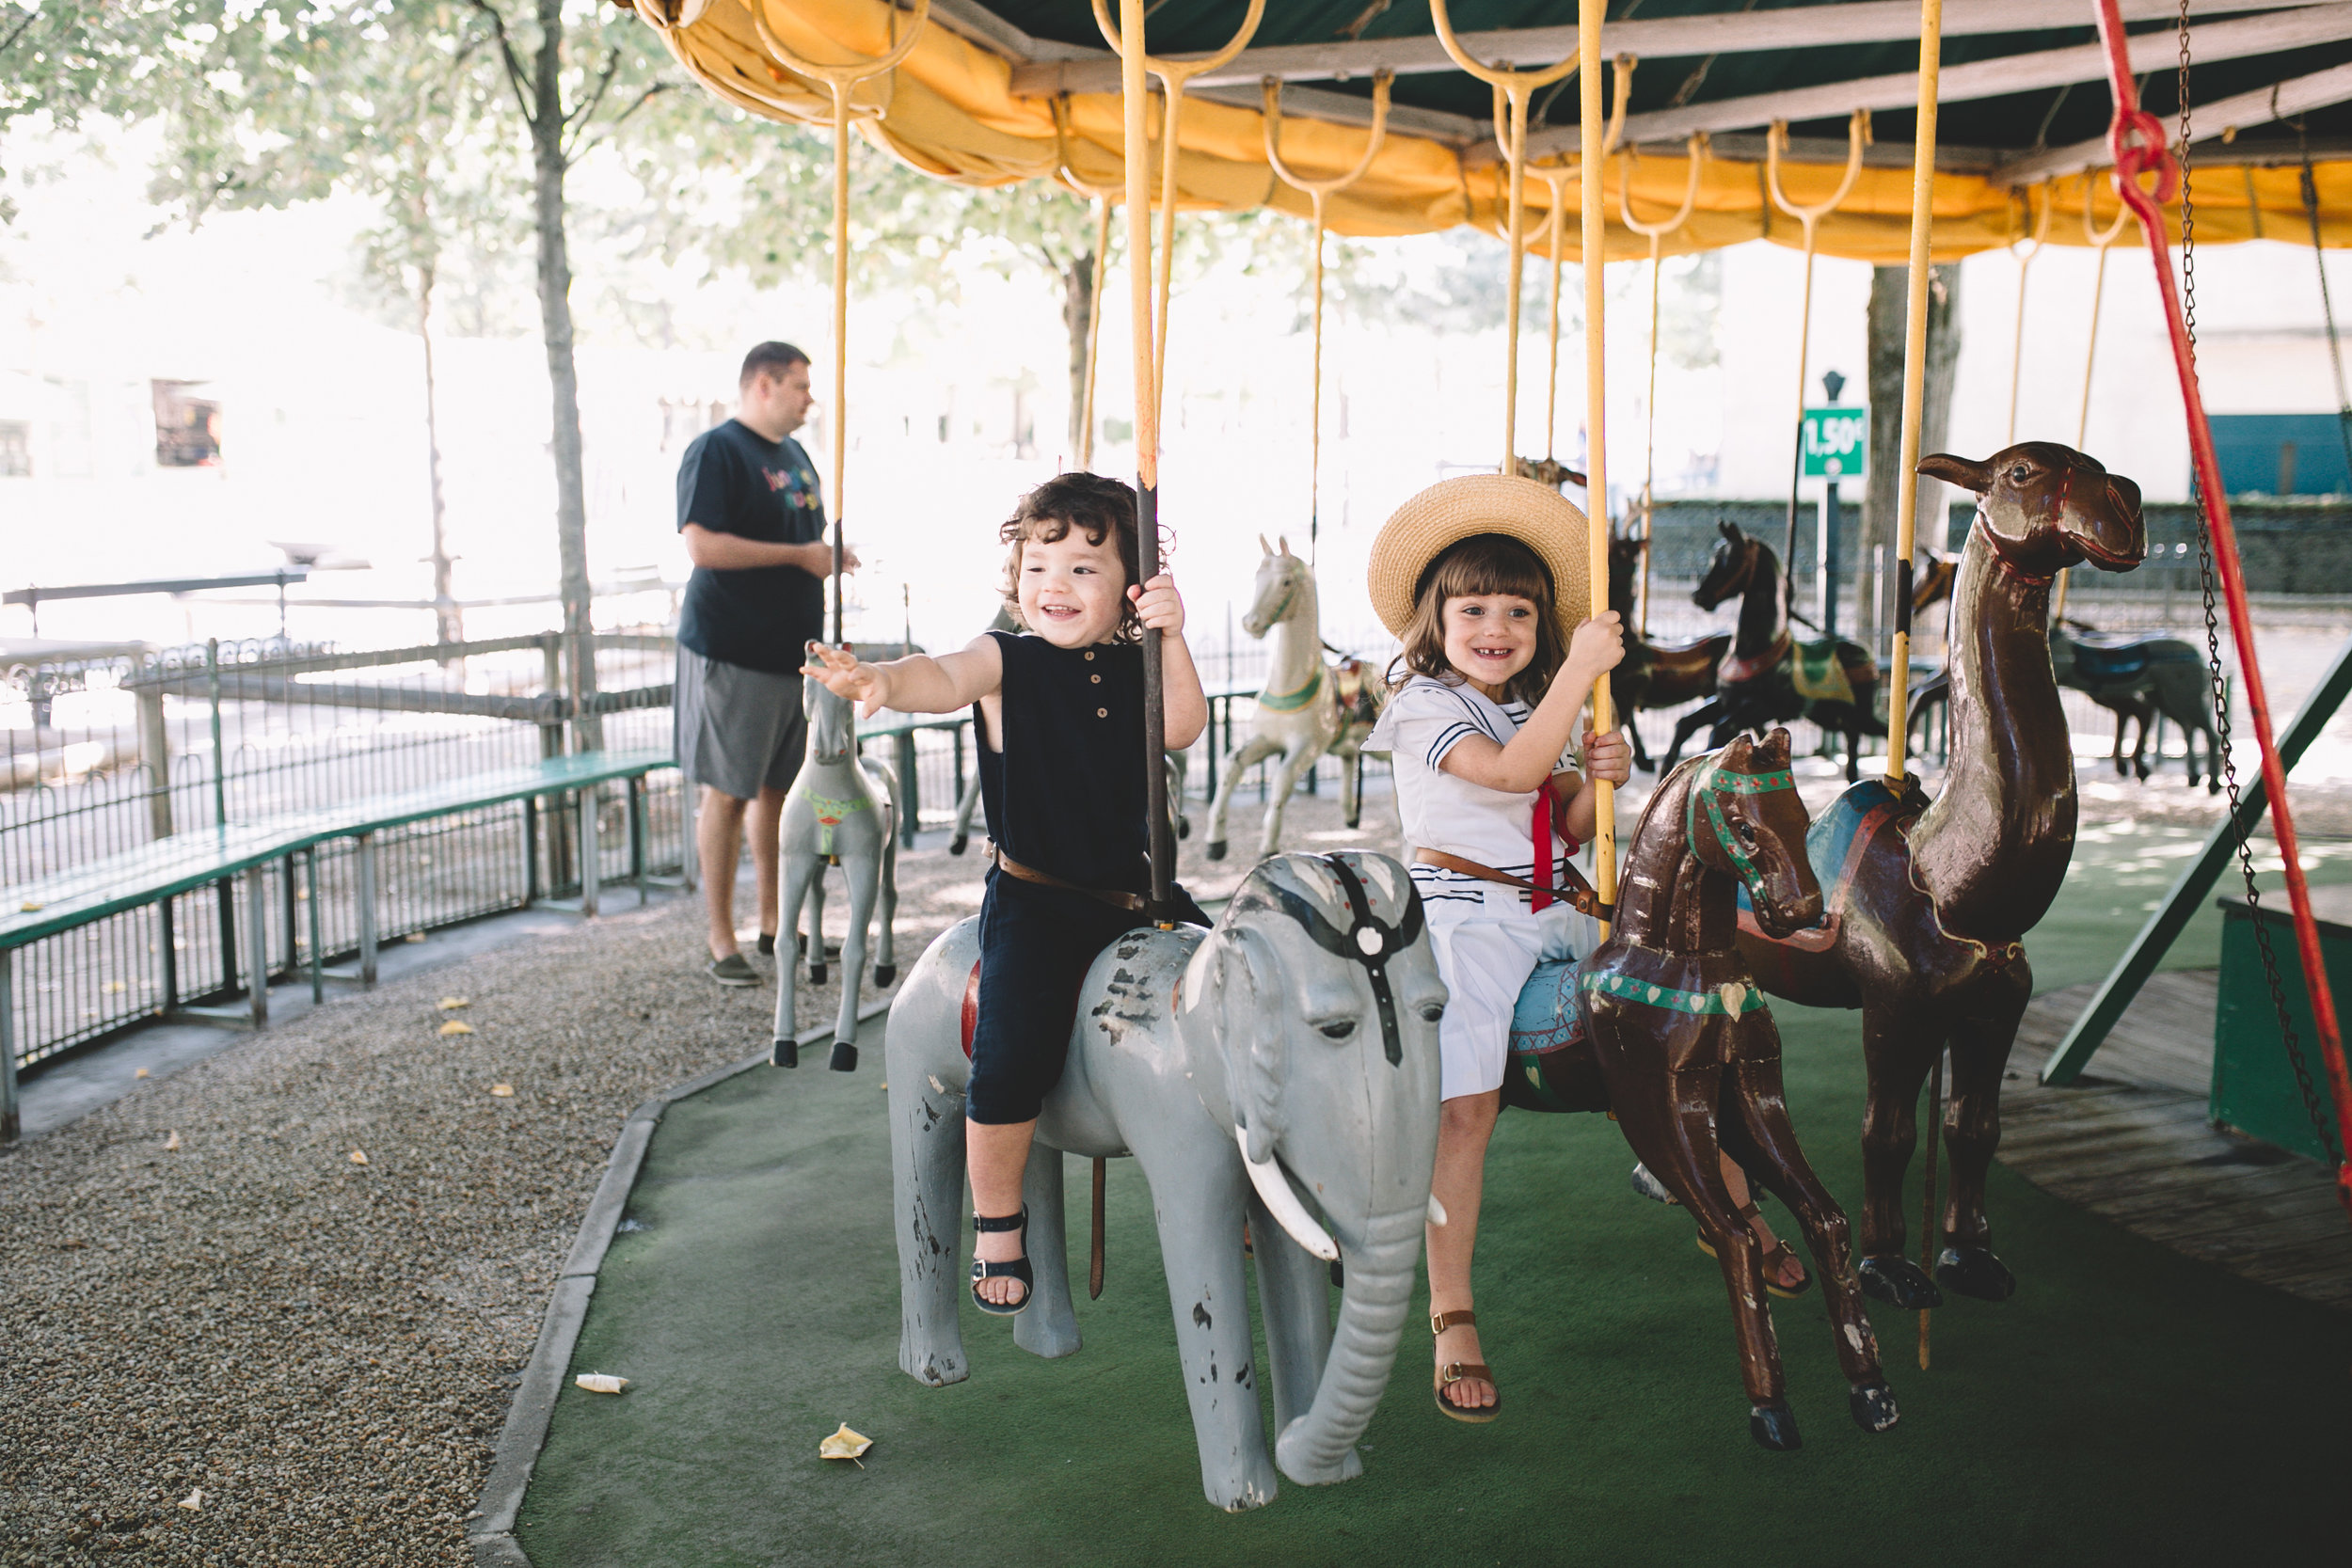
x=755, y=528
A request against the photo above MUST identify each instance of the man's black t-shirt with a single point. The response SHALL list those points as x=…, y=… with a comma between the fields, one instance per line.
x=733, y=481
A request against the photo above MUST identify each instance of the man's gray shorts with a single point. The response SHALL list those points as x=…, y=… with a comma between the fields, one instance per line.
x=737, y=730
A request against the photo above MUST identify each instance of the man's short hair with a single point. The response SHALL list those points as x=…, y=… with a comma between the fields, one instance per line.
x=773, y=357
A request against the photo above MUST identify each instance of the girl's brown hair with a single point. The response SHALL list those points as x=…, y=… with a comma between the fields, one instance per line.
x=1482, y=564
x=1098, y=507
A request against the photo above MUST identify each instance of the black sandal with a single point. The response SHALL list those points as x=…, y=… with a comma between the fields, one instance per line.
x=1017, y=1269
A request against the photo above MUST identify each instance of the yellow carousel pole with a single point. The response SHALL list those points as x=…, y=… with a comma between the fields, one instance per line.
x=1907, y=500
x=1517, y=86
x=842, y=80
x=1318, y=192
x=1593, y=258
x=1173, y=75
x=2099, y=242
x=1655, y=233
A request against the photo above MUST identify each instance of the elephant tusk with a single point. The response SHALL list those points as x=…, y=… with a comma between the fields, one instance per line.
x=1437, y=1211
x=1273, y=1188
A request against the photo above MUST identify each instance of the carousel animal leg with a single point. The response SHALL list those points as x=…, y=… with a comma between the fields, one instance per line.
x=1689, y=724
x=1898, y=1044
x=1669, y=1119
x=927, y=1180
x=1352, y=787
x=798, y=870
x=1178, y=766
x=1286, y=777
x=886, y=959
x=816, y=931
x=1050, y=1327
x=1971, y=1130
x=862, y=868
x=1854, y=748
x=1755, y=1128
x=1239, y=761
x=963, y=813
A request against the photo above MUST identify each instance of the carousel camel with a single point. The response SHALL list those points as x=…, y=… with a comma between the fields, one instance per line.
x=1928, y=901
x=1305, y=708
x=1292, y=1049
x=1677, y=1042
x=839, y=811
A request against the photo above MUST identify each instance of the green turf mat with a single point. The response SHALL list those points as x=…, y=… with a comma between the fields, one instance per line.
x=2128, y=1407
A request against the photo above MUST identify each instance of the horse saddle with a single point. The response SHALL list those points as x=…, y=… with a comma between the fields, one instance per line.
x=1829, y=670
x=2111, y=659
x=1359, y=703
x=1838, y=841
x=1550, y=1066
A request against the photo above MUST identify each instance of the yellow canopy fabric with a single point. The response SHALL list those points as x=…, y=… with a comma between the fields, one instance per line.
x=950, y=111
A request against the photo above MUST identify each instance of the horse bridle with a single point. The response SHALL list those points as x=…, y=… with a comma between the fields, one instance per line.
x=1368, y=941
x=1707, y=790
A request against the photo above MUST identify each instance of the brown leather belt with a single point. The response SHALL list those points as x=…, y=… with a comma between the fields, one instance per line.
x=1133, y=902
x=1577, y=895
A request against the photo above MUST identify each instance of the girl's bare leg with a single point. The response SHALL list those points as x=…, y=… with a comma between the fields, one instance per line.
x=1464, y=1125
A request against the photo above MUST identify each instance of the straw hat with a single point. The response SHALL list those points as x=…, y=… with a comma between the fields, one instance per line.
x=1461, y=508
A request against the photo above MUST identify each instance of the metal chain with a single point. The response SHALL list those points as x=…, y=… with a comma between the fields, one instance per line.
x=2219, y=682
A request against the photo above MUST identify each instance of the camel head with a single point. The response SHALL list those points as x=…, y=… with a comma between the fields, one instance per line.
x=1731, y=569
x=1745, y=819
x=2045, y=507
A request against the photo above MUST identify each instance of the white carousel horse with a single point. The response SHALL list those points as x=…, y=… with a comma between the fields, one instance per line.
x=1306, y=707
x=839, y=811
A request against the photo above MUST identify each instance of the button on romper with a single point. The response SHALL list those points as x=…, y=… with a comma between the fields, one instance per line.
x=1067, y=795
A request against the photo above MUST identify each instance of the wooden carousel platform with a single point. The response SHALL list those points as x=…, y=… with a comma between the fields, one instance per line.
x=2131, y=1141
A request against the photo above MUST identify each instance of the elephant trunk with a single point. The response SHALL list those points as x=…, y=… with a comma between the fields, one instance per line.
x=1319, y=1447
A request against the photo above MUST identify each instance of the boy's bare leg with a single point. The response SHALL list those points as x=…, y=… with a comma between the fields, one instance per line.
x=766, y=825
x=998, y=1154
x=1459, y=1182
x=719, y=844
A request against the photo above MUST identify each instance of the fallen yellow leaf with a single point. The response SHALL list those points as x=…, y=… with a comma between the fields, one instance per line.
x=456, y=1026
x=416, y=936
x=451, y=1004
x=173, y=1142
x=194, y=1499
x=504, y=1091
x=358, y=1156
x=114, y=988
x=601, y=1382
x=29, y=907
x=141, y=1073
x=845, y=1444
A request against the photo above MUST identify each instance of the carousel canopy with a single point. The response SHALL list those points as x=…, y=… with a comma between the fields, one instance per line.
x=2022, y=122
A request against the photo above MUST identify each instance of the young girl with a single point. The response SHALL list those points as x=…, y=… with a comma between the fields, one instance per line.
x=1482, y=577
x=1064, y=779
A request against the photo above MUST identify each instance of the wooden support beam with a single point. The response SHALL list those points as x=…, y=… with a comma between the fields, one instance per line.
x=1044, y=70
x=2195, y=881
x=2250, y=36
x=2285, y=101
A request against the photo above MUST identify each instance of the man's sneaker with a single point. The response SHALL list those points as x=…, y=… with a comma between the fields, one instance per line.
x=734, y=970
x=766, y=944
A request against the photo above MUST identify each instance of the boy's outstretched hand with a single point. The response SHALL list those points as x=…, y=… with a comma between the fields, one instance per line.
x=1608, y=757
x=844, y=676
x=1158, y=605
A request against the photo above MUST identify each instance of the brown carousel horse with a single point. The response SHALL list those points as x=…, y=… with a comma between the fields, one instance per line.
x=1654, y=674
x=1769, y=677
x=1928, y=901
x=1664, y=1026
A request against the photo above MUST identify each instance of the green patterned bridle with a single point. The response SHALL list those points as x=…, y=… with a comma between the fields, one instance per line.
x=1710, y=788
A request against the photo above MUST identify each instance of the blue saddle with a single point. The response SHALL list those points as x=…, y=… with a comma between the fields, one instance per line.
x=1546, y=1019
x=2116, y=661
x=1829, y=843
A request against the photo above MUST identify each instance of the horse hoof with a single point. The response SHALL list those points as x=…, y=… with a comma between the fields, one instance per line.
x=884, y=973
x=1215, y=848
x=817, y=974
x=1184, y=827
x=844, y=1058
x=1873, y=1407
x=955, y=844
x=1774, y=1426
x=1972, y=1271
x=785, y=1053
x=1898, y=1282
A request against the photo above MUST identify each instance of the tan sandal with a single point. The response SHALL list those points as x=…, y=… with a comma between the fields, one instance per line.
x=1458, y=1371
x=1772, y=1254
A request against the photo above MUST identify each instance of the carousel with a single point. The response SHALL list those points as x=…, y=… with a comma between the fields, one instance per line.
x=1835, y=999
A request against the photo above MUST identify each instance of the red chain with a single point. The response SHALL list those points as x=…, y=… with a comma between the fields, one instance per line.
x=2135, y=140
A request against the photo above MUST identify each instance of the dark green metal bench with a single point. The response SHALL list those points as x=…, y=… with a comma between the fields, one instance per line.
x=156, y=873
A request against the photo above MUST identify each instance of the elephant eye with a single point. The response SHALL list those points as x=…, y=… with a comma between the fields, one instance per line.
x=1432, y=1011
x=1338, y=1029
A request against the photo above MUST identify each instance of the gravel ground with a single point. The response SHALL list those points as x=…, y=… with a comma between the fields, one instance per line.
x=204, y=1292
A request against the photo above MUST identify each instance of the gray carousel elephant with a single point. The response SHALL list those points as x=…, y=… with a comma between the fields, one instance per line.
x=839, y=811
x=1290, y=1051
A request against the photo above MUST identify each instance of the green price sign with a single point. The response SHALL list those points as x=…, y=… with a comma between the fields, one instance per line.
x=1835, y=443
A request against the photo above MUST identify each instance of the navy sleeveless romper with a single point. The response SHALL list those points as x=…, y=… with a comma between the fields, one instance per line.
x=1065, y=796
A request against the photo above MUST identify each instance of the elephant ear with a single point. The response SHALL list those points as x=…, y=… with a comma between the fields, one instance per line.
x=1249, y=1007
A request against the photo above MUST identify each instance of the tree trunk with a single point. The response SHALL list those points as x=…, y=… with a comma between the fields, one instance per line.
x=1891, y=300
x=555, y=315
x=449, y=623
x=1077, y=319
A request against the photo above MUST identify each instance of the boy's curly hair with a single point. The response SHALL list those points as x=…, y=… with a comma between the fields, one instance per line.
x=1100, y=507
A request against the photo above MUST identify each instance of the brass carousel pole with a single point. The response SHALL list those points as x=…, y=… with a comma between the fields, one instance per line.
x=1594, y=259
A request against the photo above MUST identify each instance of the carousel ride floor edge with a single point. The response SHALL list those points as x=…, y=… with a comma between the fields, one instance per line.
x=2129, y=1404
